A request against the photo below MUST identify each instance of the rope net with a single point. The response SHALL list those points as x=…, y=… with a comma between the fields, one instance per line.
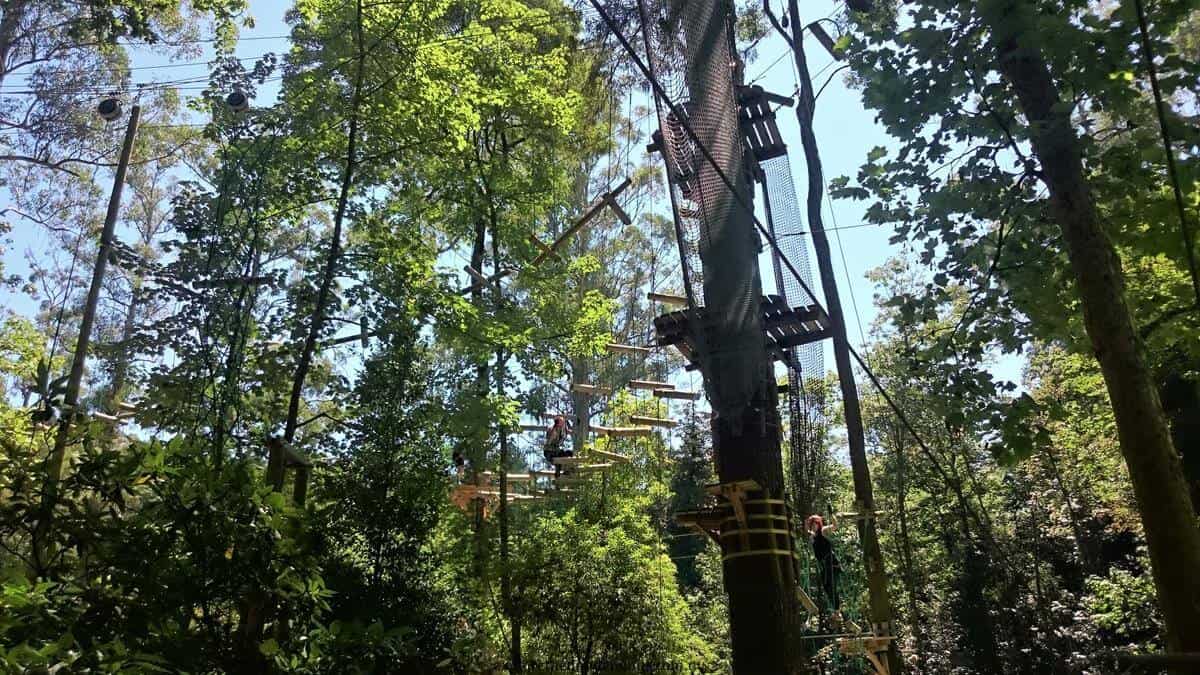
x=691, y=52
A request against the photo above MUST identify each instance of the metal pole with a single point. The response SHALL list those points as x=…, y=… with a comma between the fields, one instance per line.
x=71, y=399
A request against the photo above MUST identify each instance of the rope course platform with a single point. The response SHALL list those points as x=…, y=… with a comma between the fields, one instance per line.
x=612, y=457
x=784, y=327
x=872, y=647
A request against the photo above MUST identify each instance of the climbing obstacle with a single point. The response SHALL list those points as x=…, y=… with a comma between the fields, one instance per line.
x=592, y=389
x=872, y=647
x=608, y=199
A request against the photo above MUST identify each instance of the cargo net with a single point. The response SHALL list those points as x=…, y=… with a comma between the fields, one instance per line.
x=691, y=54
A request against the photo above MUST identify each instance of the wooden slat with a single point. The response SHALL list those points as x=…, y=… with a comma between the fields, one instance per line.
x=652, y=421
x=583, y=388
x=606, y=199
x=623, y=432
x=627, y=349
x=677, y=394
x=668, y=299
x=533, y=427
x=610, y=456
x=650, y=384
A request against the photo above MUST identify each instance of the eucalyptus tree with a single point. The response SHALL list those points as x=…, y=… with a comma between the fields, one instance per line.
x=1017, y=105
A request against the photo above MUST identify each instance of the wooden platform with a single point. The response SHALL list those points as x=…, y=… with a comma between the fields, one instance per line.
x=783, y=328
x=610, y=456
x=595, y=390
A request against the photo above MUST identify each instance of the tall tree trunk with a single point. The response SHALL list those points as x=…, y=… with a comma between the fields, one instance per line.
x=880, y=600
x=1154, y=465
x=915, y=618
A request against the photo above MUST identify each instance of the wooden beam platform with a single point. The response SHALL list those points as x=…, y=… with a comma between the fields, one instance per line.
x=628, y=349
x=668, y=299
x=533, y=427
x=650, y=384
x=595, y=390
x=653, y=421
x=677, y=394
x=783, y=328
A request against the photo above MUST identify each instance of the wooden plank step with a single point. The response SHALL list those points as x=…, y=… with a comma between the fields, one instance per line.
x=585, y=468
x=668, y=299
x=650, y=384
x=568, y=461
x=512, y=477
x=533, y=427
x=623, y=432
x=677, y=394
x=596, y=390
x=652, y=421
x=628, y=349
x=611, y=456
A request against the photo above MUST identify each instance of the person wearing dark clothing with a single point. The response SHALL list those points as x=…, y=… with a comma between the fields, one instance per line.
x=827, y=563
x=460, y=465
x=556, y=437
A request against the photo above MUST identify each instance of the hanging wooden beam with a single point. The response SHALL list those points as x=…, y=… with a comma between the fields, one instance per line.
x=611, y=456
x=653, y=421
x=668, y=299
x=826, y=41
x=595, y=390
x=628, y=349
x=677, y=394
x=623, y=432
x=606, y=199
x=650, y=384
x=533, y=427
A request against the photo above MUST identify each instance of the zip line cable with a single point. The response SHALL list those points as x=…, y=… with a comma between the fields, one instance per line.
x=683, y=120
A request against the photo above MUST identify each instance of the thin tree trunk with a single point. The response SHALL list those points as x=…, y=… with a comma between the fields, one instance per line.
x=880, y=600
x=1154, y=465
x=915, y=618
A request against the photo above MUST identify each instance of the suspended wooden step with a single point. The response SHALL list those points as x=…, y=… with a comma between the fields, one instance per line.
x=650, y=384
x=653, y=421
x=512, y=477
x=611, y=456
x=594, y=390
x=628, y=349
x=542, y=473
x=668, y=299
x=678, y=394
x=621, y=432
x=873, y=648
x=856, y=516
x=608, y=199
x=533, y=427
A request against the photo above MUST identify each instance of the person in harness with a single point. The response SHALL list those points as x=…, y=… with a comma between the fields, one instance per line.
x=556, y=438
x=827, y=562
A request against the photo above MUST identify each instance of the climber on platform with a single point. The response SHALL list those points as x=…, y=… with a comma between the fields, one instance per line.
x=460, y=465
x=827, y=562
x=556, y=437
